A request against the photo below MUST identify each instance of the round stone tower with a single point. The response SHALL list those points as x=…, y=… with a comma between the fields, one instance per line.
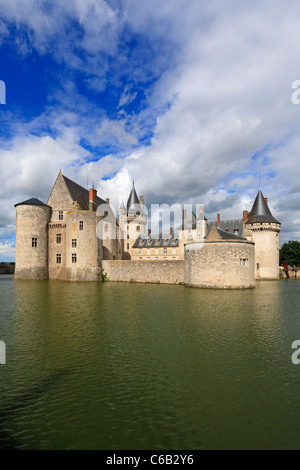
x=263, y=229
x=32, y=218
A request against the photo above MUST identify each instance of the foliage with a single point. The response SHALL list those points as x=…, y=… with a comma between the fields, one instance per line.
x=104, y=277
x=290, y=252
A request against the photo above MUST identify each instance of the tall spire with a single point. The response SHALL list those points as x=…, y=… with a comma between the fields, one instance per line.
x=260, y=211
x=132, y=200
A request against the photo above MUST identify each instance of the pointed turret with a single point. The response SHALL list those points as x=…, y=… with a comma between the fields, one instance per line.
x=122, y=207
x=263, y=229
x=260, y=212
x=133, y=201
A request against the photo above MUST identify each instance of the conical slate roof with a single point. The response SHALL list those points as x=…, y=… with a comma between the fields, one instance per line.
x=132, y=202
x=31, y=202
x=260, y=212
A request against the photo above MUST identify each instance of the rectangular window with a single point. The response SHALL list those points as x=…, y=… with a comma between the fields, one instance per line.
x=140, y=257
x=148, y=257
x=34, y=242
x=173, y=257
x=127, y=246
x=81, y=225
x=58, y=259
x=58, y=238
x=156, y=257
x=165, y=251
x=127, y=236
x=74, y=258
x=60, y=215
x=74, y=243
x=165, y=257
x=140, y=251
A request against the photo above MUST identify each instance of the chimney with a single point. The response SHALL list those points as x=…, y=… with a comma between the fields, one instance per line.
x=92, y=199
x=266, y=199
x=245, y=216
x=141, y=199
x=149, y=232
x=107, y=200
x=218, y=220
x=171, y=232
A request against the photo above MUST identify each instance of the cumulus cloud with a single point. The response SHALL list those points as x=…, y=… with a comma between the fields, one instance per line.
x=217, y=102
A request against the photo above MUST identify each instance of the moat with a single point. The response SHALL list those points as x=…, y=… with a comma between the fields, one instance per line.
x=139, y=366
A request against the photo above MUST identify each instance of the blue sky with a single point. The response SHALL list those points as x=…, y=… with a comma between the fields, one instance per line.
x=188, y=98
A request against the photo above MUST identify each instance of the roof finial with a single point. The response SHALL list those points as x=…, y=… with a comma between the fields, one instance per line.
x=259, y=178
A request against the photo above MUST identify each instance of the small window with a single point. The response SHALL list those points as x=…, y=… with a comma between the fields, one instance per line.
x=148, y=257
x=81, y=225
x=140, y=251
x=74, y=258
x=127, y=246
x=60, y=215
x=257, y=265
x=156, y=257
x=140, y=257
x=74, y=243
x=243, y=262
x=58, y=259
x=127, y=236
x=138, y=228
x=34, y=242
x=58, y=238
x=165, y=251
x=173, y=257
x=165, y=257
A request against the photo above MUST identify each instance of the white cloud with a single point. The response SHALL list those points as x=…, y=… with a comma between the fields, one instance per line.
x=223, y=94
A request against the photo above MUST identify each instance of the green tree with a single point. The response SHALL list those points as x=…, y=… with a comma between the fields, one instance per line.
x=290, y=252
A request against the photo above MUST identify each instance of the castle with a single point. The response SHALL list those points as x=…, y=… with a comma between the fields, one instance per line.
x=77, y=236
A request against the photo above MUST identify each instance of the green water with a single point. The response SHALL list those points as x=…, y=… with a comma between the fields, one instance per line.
x=149, y=366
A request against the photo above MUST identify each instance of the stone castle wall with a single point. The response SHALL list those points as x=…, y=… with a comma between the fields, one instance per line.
x=164, y=272
x=32, y=261
x=87, y=249
x=220, y=265
x=266, y=239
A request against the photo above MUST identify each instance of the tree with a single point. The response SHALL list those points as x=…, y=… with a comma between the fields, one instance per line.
x=290, y=252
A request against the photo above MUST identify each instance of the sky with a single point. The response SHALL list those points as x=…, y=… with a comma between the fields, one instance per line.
x=191, y=99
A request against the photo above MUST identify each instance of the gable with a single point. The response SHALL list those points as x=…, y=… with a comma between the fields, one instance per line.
x=60, y=197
